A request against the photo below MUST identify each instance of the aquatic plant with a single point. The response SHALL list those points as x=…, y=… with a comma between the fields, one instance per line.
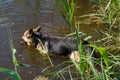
x=11, y=73
x=108, y=11
x=87, y=69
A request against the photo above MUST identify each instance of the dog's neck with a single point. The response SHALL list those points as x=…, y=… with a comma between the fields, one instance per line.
x=39, y=38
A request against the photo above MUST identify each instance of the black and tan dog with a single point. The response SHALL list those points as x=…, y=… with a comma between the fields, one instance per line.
x=56, y=45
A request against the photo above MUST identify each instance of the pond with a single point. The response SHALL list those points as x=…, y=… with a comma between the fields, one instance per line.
x=18, y=15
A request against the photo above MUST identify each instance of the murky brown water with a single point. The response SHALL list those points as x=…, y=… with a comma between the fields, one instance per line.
x=19, y=15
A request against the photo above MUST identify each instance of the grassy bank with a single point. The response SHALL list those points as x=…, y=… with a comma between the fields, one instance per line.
x=107, y=13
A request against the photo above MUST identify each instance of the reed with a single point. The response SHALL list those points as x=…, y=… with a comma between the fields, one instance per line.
x=12, y=73
x=108, y=12
x=87, y=69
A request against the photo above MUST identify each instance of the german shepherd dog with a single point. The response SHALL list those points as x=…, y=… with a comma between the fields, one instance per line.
x=56, y=45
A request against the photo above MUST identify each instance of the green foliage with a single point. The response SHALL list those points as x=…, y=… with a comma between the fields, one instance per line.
x=110, y=10
x=25, y=65
x=68, y=6
x=14, y=75
x=66, y=20
x=15, y=62
x=103, y=53
x=95, y=2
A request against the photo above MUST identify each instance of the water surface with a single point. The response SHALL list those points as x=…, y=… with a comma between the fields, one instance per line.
x=18, y=15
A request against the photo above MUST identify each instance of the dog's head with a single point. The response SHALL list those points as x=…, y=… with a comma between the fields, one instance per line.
x=30, y=35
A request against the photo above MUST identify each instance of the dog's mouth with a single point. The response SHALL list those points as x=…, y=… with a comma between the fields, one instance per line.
x=23, y=42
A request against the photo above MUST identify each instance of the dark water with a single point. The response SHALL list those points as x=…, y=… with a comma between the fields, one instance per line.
x=17, y=16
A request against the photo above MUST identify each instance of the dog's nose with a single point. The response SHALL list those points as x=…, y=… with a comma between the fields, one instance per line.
x=23, y=41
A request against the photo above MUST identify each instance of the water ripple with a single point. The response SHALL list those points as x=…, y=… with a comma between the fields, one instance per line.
x=4, y=41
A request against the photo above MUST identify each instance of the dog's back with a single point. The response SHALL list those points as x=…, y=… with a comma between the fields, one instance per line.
x=61, y=46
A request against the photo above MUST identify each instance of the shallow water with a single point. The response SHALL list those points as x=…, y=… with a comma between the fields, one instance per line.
x=18, y=15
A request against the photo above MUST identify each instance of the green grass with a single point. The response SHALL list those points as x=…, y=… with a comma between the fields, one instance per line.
x=13, y=74
x=108, y=62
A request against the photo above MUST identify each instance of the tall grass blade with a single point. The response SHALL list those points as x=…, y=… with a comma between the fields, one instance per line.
x=89, y=15
x=14, y=75
x=87, y=38
x=82, y=61
x=109, y=18
x=72, y=10
x=78, y=68
x=15, y=62
x=79, y=40
x=66, y=7
x=66, y=20
x=25, y=65
x=102, y=52
x=74, y=33
x=108, y=5
x=95, y=2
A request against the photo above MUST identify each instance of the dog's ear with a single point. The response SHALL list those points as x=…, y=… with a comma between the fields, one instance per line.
x=30, y=31
x=37, y=29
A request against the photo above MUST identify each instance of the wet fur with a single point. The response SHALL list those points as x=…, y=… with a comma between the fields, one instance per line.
x=56, y=45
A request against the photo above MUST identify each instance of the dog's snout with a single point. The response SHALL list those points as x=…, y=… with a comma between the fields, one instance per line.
x=23, y=41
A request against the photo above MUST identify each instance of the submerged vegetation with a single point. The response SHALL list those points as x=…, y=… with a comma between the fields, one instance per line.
x=107, y=67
